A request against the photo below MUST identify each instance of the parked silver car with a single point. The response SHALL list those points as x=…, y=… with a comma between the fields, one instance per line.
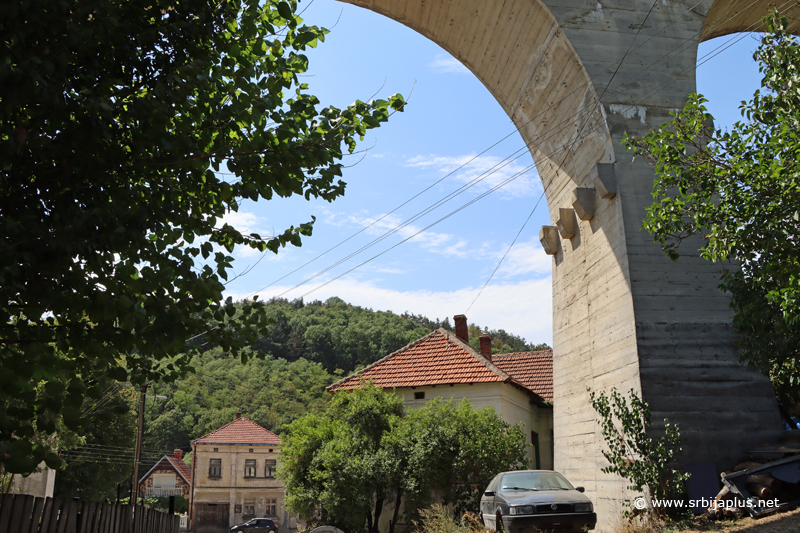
x=532, y=500
x=260, y=525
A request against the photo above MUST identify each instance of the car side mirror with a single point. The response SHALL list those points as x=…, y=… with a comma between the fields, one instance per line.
x=488, y=493
x=580, y=489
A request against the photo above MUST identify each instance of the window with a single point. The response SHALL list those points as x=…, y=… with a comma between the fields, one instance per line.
x=249, y=509
x=163, y=481
x=215, y=468
x=269, y=468
x=272, y=507
x=250, y=468
x=419, y=395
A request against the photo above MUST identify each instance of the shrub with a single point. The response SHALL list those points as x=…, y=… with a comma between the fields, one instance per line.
x=648, y=463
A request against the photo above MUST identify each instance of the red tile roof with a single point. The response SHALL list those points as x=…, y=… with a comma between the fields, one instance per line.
x=181, y=468
x=440, y=358
x=534, y=370
x=240, y=431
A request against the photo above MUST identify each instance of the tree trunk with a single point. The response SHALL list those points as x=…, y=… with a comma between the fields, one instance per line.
x=397, y=502
x=378, y=508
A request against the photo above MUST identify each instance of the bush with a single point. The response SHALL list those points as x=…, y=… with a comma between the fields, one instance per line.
x=438, y=519
x=646, y=462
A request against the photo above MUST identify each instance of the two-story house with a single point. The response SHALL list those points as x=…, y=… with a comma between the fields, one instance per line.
x=233, y=469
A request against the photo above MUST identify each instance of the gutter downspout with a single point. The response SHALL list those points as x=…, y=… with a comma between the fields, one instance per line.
x=194, y=478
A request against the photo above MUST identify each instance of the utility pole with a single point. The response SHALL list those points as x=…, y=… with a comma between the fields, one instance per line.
x=138, y=453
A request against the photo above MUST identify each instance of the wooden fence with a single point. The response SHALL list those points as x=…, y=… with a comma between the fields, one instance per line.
x=20, y=513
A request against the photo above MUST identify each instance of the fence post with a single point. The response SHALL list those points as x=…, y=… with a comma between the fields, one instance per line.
x=36, y=516
x=6, y=505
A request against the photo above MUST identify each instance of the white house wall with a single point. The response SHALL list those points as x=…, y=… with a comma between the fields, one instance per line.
x=511, y=403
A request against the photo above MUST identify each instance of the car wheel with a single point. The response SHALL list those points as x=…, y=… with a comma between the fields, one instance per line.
x=498, y=522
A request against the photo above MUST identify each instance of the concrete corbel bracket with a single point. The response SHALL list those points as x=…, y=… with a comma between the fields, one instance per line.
x=606, y=182
x=548, y=236
x=566, y=222
x=583, y=202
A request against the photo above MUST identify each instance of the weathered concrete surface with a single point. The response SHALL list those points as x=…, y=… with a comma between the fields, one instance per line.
x=575, y=76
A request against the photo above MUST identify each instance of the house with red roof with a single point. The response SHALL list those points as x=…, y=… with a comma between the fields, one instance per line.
x=233, y=473
x=519, y=386
x=169, y=477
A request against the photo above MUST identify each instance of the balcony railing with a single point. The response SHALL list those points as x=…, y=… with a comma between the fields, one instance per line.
x=152, y=492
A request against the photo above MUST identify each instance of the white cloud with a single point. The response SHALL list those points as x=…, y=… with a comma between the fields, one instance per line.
x=523, y=308
x=526, y=258
x=490, y=170
x=244, y=221
x=439, y=243
x=445, y=63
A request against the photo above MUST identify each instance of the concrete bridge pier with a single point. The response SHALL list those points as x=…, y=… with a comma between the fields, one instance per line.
x=575, y=76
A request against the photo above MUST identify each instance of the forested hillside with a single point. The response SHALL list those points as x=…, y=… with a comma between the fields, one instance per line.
x=308, y=347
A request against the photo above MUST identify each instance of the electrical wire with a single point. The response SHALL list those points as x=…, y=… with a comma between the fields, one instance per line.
x=507, y=251
x=691, y=41
x=578, y=136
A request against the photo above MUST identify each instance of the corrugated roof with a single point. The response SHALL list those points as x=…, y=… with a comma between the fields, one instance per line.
x=534, y=370
x=440, y=358
x=240, y=431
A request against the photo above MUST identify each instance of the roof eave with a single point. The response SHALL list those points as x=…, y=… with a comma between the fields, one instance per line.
x=335, y=386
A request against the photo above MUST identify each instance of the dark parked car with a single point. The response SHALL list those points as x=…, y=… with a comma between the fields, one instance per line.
x=532, y=500
x=261, y=525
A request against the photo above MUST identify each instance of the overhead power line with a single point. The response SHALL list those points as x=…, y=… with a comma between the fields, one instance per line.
x=390, y=232
x=723, y=47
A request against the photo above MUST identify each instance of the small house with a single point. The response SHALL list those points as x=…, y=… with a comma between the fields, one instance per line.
x=169, y=477
x=519, y=386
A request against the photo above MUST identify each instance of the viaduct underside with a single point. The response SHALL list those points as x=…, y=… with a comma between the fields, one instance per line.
x=575, y=76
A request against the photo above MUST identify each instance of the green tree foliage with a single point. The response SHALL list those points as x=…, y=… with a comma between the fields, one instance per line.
x=289, y=382
x=334, y=333
x=648, y=463
x=271, y=392
x=342, y=336
x=94, y=471
x=457, y=450
x=502, y=341
x=119, y=124
x=364, y=456
x=738, y=190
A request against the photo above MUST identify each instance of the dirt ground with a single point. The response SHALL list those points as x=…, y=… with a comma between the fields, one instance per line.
x=788, y=522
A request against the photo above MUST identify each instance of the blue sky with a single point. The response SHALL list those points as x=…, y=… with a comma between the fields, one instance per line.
x=451, y=118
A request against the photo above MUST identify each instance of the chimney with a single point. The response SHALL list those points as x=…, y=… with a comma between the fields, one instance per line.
x=486, y=346
x=461, y=328
x=238, y=416
x=178, y=454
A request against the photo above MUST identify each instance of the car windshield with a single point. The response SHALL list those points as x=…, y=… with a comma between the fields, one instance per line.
x=525, y=481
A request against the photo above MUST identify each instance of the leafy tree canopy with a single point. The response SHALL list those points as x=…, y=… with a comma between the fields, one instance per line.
x=364, y=456
x=738, y=190
x=344, y=336
x=272, y=392
x=128, y=129
x=102, y=463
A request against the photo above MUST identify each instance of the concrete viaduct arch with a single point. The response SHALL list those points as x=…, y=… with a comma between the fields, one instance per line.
x=624, y=315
